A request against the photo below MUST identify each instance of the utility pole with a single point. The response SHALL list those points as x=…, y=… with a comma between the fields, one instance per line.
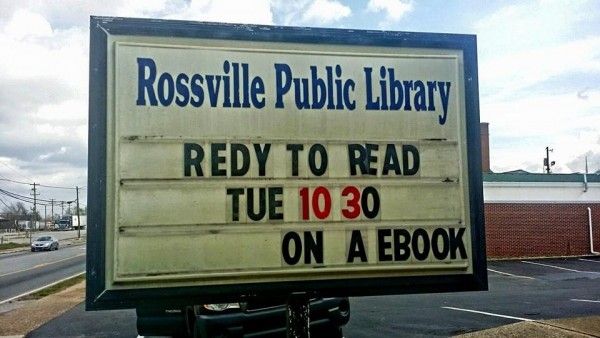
x=547, y=163
x=34, y=213
x=52, y=207
x=78, y=217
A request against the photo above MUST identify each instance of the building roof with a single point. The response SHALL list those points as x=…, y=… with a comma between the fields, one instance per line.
x=521, y=176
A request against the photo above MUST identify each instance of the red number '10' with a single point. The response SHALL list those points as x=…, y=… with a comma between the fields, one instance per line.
x=320, y=211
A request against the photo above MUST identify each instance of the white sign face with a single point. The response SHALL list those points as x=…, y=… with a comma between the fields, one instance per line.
x=235, y=162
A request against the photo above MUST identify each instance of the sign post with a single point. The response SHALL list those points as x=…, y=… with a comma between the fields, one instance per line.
x=235, y=160
x=298, y=315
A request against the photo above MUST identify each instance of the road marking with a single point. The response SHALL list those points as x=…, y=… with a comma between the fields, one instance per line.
x=509, y=274
x=589, y=260
x=586, y=300
x=487, y=313
x=41, y=265
x=37, y=266
x=560, y=268
x=40, y=288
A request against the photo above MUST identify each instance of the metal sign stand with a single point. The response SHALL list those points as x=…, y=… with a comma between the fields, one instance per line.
x=298, y=315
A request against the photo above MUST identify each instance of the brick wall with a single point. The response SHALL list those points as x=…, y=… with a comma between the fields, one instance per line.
x=540, y=230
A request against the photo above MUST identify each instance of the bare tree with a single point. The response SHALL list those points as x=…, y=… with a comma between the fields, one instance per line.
x=82, y=211
x=16, y=209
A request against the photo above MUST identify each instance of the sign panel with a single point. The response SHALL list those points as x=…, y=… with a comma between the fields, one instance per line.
x=230, y=160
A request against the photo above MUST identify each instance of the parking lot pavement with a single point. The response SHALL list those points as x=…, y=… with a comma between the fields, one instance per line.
x=548, y=269
x=563, y=297
x=533, y=295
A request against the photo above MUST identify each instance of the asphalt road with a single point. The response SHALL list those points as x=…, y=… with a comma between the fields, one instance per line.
x=519, y=291
x=24, y=271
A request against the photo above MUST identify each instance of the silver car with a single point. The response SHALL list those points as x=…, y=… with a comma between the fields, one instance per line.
x=43, y=243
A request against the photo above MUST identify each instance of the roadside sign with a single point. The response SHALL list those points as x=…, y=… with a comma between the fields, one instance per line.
x=234, y=160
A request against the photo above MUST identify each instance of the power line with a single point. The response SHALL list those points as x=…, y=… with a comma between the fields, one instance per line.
x=35, y=201
x=6, y=205
x=54, y=187
x=18, y=198
x=40, y=185
x=21, y=198
x=13, y=169
x=13, y=181
x=28, y=199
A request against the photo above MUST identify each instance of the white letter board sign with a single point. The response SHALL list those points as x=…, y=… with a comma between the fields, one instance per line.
x=228, y=161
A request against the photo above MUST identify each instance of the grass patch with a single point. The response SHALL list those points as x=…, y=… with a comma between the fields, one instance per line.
x=10, y=245
x=55, y=288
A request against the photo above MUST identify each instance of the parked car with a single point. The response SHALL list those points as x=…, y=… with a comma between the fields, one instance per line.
x=259, y=318
x=43, y=243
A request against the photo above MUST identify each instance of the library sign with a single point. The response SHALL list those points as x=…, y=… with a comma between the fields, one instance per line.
x=235, y=160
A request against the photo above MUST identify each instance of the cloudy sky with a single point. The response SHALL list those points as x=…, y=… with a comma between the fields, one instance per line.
x=539, y=74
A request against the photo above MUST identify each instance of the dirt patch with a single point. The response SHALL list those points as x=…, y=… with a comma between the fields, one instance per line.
x=34, y=314
x=546, y=329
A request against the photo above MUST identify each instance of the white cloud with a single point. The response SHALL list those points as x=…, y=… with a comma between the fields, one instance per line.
x=45, y=53
x=543, y=114
x=394, y=9
x=25, y=24
x=325, y=12
x=520, y=130
x=310, y=12
x=142, y=8
x=524, y=44
x=527, y=25
x=537, y=70
x=232, y=11
x=44, y=77
x=539, y=62
x=511, y=72
x=67, y=111
x=61, y=151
